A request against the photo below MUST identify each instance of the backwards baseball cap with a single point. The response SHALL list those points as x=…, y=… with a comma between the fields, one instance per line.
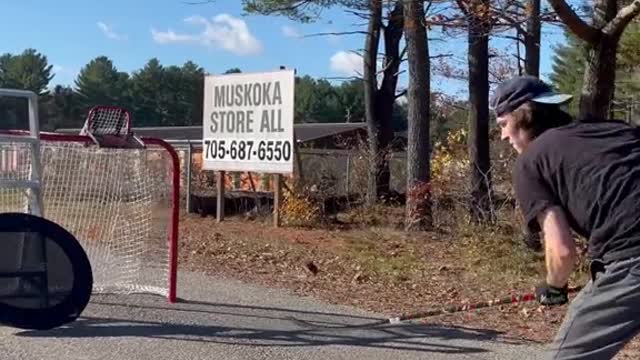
x=512, y=93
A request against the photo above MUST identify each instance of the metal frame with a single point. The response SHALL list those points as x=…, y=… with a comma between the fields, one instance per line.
x=86, y=129
x=33, y=185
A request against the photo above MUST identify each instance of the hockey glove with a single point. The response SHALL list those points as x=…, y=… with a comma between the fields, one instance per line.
x=550, y=295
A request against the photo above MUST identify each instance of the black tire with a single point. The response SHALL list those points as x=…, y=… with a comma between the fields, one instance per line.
x=70, y=308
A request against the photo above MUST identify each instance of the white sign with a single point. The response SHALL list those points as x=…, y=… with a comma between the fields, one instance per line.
x=248, y=122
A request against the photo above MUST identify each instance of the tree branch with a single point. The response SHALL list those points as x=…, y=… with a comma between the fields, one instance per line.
x=290, y=7
x=509, y=37
x=580, y=28
x=512, y=22
x=358, y=13
x=341, y=78
x=335, y=33
x=402, y=54
x=616, y=26
x=462, y=7
x=440, y=56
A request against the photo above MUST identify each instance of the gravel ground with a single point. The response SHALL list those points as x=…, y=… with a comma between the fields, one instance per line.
x=225, y=319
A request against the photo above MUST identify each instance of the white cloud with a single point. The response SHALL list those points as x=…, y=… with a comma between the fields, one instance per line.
x=109, y=32
x=169, y=36
x=222, y=31
x=291, y=32
x=346, y=63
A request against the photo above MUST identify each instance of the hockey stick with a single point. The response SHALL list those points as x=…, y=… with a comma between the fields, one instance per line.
x=507, y=300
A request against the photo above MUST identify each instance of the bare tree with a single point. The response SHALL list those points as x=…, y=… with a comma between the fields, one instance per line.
x=418, y=207
x=379, y=97
x=379, y=101
x=532, y=39
x=526, y=19
x=479, y=24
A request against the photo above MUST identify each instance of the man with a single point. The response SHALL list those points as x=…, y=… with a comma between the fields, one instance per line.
x=582, y=176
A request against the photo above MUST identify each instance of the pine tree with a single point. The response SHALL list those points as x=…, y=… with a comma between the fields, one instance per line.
x=193, y=89
x=100, y=83
x=147, y=93
x=27, y=71
x=568, y=68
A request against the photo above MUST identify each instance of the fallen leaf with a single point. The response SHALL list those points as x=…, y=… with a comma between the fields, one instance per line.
x=311, y=267
x=356, y=277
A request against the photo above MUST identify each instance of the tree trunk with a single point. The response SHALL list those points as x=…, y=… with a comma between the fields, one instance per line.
x=418, y=206
x=599, y=81
x=598, y=85
x=532, y=40
x=386, y=97
x=479, y=119
x=370, y=89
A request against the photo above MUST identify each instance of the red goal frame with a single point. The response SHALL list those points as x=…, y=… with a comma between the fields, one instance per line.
x=173, y=230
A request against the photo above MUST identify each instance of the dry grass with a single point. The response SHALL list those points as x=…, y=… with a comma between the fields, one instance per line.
x=382, y=253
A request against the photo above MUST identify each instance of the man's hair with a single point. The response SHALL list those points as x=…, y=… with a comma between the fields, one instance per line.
x=538, y=118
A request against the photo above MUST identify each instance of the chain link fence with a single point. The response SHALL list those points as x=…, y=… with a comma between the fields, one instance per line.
x=325, y=172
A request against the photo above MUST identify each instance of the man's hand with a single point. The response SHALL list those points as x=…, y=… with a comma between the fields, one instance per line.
x=551, y=295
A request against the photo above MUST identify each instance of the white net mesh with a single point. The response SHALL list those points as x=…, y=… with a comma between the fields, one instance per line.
x=15, y=165
x=106, y=120
x=115, y=201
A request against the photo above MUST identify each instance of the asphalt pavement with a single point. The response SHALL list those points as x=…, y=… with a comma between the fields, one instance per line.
x=226, y=319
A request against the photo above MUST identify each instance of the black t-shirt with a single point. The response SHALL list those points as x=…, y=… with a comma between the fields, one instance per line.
x=592, y=171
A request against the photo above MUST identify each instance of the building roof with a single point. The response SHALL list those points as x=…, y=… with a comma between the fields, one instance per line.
x=302, y=132
x=312, y=131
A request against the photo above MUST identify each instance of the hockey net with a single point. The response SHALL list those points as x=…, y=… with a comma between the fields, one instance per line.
x=120, y=200
x=107, y=120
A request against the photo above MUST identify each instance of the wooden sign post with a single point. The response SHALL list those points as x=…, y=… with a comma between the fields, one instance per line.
x=220, y=196
x=277, y=198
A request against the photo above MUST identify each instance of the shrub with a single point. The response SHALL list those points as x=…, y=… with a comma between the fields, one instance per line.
x=300, y=210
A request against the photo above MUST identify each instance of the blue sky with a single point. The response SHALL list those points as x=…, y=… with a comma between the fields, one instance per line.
x=216, y=36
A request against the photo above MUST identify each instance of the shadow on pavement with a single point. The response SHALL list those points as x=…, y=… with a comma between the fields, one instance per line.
x=217, y=308
x=280, y=329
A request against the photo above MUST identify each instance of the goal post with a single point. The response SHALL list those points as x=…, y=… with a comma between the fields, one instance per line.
x=119, y=196
x=27, y=182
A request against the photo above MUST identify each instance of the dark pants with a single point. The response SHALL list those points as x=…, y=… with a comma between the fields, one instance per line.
x=604, y=316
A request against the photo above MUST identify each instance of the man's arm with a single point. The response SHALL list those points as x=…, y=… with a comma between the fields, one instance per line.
x=560, y=247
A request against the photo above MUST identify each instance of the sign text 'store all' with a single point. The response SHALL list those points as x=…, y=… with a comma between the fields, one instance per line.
x=248, y=122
